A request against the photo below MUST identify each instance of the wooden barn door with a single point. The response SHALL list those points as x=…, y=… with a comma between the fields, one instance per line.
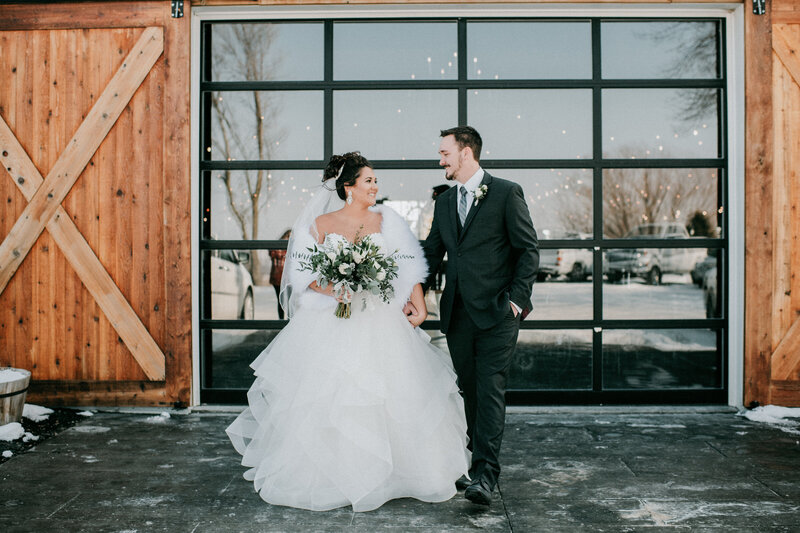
x=785, y=358
x=772, y=269
x=94, y=217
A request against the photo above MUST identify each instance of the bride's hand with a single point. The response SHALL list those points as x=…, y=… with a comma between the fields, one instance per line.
x=415, y=319
x=415, y=309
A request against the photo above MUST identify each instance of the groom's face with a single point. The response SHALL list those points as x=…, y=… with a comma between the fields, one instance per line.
x=451, y=157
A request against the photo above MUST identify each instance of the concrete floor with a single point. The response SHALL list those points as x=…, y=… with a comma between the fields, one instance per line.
x=563, y=470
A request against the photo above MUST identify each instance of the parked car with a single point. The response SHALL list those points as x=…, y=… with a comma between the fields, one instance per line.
x=700, y=269
x=710, y=294
x=574, y=263
x=231, y=285
x=651, y=263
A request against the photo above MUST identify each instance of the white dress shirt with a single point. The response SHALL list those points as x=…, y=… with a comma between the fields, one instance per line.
x=473, y=183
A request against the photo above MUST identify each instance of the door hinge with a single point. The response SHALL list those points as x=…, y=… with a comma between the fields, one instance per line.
x=177, y=9
x=759, y=7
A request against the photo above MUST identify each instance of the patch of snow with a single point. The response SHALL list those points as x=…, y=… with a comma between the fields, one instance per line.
x=7, y=453
x=11, y=431
x=7, y=375
x=29, y=437
x=36, y=413
x=149, y=501
x=775, y=415
x=660, y=426
x=90, y=429
x=86, y=413
x=112, y=441
x=89, y=459
x=159, y=419
x=166, y=466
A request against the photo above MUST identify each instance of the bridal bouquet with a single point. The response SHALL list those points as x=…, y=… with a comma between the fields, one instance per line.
x=352, y=268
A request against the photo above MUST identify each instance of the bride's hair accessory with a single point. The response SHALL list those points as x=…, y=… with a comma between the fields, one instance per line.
x=349, y=197
x=344, y=170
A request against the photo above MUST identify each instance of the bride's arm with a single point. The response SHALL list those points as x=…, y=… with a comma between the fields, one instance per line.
x=418, y=300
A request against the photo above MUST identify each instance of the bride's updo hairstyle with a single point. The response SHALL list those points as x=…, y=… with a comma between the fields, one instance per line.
x=345, y=168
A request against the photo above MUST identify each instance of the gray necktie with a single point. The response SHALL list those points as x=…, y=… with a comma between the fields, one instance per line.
x=462, y=205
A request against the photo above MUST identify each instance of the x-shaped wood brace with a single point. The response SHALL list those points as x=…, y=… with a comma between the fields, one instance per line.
x=45, y=196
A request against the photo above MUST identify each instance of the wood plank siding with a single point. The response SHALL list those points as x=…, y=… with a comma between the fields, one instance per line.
x=95, y=102
x=772, y=257
x=117, y=328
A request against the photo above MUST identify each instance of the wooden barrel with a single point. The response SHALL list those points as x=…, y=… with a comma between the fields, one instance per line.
x=13, y=389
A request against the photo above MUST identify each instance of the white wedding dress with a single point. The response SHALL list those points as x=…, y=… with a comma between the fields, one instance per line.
x=354, y=411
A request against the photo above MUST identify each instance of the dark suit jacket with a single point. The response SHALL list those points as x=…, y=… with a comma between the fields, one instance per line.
x=494, y=259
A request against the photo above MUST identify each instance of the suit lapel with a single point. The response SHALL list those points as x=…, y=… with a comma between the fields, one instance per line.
x=452, y=207
x=473, y=211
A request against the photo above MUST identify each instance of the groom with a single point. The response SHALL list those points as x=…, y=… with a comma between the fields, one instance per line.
x=484, y=226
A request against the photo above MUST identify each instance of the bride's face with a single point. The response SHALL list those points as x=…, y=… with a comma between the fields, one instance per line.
x=365, y=191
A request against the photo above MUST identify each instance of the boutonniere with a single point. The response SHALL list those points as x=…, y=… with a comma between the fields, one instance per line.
x=481, y=192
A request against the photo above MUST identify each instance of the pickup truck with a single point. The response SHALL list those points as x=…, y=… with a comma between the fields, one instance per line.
x=651, y=263
x=574, y=263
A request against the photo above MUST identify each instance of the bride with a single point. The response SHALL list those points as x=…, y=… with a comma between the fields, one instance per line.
x=353, y=411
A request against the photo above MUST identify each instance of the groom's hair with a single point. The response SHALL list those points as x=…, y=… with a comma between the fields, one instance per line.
x=466, y=136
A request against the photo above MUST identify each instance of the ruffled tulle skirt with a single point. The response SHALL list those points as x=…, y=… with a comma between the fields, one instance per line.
x=352, y=411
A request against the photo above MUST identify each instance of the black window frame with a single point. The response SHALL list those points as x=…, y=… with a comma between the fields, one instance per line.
x=598, y=243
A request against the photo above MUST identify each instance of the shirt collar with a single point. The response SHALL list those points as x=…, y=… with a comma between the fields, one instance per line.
x=474, y=181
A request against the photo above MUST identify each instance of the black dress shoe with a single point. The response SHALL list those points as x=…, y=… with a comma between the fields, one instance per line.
x=462, y=483
x=479, y=492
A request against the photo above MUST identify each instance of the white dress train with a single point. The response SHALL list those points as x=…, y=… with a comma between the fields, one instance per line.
x=354, y=411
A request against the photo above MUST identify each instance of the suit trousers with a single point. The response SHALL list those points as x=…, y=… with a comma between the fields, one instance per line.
x=482, y=359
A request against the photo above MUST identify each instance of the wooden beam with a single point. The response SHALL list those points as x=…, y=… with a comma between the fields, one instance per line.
x=200, y=3
x=786, y=358
x=81, y=15
x=785, y=11
x=758, y=207
x=78, y=152
x=87, y=393
x=177, y=208
x=788, y=54
x=84, y=261
x=785, y=393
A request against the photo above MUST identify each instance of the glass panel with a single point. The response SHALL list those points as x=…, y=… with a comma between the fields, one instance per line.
x=533, y=123
x=563, y=288
x=552, y=359
x=411, y=193
x=661, y=203
x=267, y=51
x=661, y=359
x=660, y=123
x=559, y=200
x=234, y=206
x=392, y=124
x=660, y=49
x=655, y=283
x=263, y=125
x=395, y=51
x=241, y=284
x=529, y=50
x=232, y=351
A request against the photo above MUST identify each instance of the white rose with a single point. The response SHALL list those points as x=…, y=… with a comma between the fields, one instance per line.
x=381, y=275
x=343, y=268
x=357, y=257
x=331, y=256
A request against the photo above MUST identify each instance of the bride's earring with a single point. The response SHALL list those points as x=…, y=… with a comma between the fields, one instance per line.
x=349, y=197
